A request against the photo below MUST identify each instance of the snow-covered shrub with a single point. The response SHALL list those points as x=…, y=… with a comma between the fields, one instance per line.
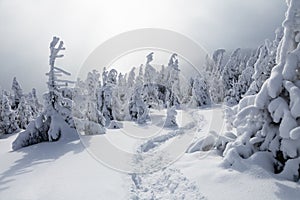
x=271, y=122
x=211, y=141
x=36, y=132
x=115, y=125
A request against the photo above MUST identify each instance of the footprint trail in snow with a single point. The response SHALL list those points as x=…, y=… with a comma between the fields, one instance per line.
x=166, y=183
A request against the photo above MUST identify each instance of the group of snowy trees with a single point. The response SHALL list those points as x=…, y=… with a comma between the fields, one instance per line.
x=104, y=100
x=267, y=120
x=17, y=109
x=242, y=74
x=263, y=92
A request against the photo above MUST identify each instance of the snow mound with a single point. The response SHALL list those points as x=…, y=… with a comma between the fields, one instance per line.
x=115, y=125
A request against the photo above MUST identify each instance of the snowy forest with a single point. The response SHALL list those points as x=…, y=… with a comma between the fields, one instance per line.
x=258, y=91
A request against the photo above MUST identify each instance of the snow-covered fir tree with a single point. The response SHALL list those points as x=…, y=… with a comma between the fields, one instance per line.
x=49, y=125
x=34, y=104
x=92, y=83
x=86, y=110
x=24, y=113
x=171, y=117
x=231, y=69
x=200, y=93
x=121, y=96
x=150, y=88
x=173, y=81
x=80, y=97
x=268, y=121
x=230, y=76
x=107, y=98
x=214, y=68
x=258, y=69
x=264, y=63
x=138, y=110
x=131, y=78
x=128, y=89
x=241, y=86
x=8, y=122
x=92, y=121
x=17, y=93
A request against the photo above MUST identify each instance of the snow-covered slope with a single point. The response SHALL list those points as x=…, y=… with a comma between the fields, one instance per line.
x=58, y=170
x=66, y=170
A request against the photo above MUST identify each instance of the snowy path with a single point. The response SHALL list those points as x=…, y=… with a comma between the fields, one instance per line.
x=168, y=182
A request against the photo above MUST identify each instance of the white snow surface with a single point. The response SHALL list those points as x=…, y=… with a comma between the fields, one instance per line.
x=65, y=170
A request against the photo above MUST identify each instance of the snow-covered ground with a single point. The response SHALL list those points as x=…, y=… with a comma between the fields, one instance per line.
x=67, y=170
x=59, y=170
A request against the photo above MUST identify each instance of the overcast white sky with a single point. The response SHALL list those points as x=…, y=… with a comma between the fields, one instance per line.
x=27, y=26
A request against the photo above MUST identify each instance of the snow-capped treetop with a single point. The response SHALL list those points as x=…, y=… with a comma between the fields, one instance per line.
x=16, y=87
x=218, y=57
x=56, y=71
x=131, y=78
x=173, y=62
x=54, y=51
x=149, y=58
x=18, y=93
x=121, y=80
x=140, y=78
x=112, y=76
x=92, y=83
x=150, y=72
x=104, y=76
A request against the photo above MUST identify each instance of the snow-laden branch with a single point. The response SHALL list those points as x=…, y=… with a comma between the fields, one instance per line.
x=62, y=71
